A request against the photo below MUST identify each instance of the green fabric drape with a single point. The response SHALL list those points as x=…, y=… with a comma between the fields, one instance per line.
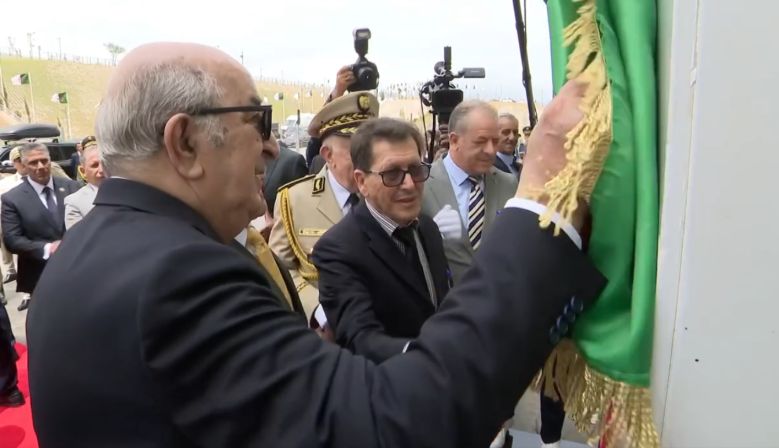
x=615, y=336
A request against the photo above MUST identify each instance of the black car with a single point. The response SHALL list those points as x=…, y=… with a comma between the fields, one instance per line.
x=18, y=134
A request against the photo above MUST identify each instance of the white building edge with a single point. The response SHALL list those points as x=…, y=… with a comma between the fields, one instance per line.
x=716, y=361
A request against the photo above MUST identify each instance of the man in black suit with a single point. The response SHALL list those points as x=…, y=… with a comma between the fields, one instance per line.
x=179, y=341
x=506, y=158
x=33, y=216
x=289, y=166
x=377, y=300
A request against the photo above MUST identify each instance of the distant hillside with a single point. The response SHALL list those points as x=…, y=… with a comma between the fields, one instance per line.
x=85, y=85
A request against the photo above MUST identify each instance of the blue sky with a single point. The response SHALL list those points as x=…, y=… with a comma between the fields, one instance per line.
x=307, y=40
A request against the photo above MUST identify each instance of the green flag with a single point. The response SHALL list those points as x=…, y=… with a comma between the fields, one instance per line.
x=61, y=98
x=604, y=375
x=21, y=79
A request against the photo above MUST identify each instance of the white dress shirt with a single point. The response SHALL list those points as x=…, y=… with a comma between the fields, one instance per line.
x=341, y=194
x=461, y=187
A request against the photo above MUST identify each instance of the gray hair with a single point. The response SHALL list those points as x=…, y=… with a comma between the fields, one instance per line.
x=30, y=147
x=508, y=115
x=459, y=119
x=130, y=122
x=89, y=149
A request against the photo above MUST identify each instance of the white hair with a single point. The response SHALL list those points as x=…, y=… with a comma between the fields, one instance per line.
x=131, y=121
x=458, y=120
x=30, y=147
x=508, y=115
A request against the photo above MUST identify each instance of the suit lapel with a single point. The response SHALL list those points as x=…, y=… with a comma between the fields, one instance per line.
x=384, y=248
x=435, y=260
x=61, y=193
x=491, y=197
x=501, y=165
x=327, y=205
x=36, y=200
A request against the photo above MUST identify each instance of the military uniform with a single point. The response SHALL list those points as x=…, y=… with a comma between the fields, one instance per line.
x=307, y=207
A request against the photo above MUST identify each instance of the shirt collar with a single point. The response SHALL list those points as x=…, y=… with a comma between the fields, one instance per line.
x=456, y=173
x=384, y=221
x=38, y=187
x=341, y=193
x=241, y=238
x=507, y=159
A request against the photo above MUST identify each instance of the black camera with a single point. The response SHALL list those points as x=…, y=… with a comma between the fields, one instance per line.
x=366, y=74
x=440, y=95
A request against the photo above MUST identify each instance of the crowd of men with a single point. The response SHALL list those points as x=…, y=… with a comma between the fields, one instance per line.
x=204, y=256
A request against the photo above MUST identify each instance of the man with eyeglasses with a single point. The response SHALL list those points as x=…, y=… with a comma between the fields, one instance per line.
x=306, y=208
x=382, y=269
x=180, y=340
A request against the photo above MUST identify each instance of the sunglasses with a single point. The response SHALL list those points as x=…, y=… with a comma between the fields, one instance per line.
x=264, y=116
x=396, y=176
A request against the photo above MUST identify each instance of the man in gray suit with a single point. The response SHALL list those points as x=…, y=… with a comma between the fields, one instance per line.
x=466, y=181
x=78, y=204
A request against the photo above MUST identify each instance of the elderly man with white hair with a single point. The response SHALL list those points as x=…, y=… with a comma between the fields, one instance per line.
x=78, y=204
x=177, y=340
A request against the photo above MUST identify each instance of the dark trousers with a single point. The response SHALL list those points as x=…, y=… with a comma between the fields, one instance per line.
x=7, y=355
x=552, y=419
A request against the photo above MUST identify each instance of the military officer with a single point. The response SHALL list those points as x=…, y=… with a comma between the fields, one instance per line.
x=307, y=207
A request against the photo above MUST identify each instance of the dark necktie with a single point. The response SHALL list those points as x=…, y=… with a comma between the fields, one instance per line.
x=406, y=236
x=476, y=212
x=51, y=204
x=353, y=200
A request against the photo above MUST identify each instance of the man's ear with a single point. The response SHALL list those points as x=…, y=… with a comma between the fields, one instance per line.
x=326, y=152
x=359, y=179
x=181, y=141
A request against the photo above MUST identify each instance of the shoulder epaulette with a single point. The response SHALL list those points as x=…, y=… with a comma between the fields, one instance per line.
x=296, y=181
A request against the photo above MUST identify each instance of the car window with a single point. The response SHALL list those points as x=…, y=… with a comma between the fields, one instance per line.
x=54, y=153
x=67, y=151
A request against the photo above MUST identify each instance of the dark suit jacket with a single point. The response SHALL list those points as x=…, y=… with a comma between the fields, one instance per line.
x=28, y=226
x=312, y=149
x=75, y=162
x=297, y=306
x=374, y=301
x=178, y=341
x=287, y=167
x=501, y=165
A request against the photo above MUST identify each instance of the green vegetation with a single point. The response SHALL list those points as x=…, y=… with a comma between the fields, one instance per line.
x=85, y=84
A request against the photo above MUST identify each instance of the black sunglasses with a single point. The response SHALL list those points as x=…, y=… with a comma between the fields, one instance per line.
x=264, y=123
x=396, y=176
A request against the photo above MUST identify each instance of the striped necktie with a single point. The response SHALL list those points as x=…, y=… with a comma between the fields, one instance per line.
x=476, y=211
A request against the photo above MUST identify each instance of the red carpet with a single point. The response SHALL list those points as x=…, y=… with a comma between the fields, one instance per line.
x=16, y=423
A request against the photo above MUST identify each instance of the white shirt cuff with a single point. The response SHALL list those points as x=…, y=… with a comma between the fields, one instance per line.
x=47, y=251
x=405, y=347
x=540, y=209
x=321, y=318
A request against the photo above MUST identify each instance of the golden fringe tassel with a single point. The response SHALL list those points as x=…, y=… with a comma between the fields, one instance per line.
x=588, y=143
x=613, y=412
x=604, y=409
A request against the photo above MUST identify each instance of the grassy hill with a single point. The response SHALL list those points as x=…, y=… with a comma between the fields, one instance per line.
x=86, y=83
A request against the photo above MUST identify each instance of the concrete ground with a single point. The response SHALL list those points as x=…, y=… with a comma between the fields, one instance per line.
x=526, y=418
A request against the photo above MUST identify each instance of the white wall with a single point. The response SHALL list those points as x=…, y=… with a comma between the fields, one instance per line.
x=716, y=371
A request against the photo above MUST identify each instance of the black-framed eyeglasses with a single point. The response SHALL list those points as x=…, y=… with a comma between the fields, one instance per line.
x=396, y=176
x=264, y=119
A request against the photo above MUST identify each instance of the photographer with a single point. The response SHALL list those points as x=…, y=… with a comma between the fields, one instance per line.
x=343, y=79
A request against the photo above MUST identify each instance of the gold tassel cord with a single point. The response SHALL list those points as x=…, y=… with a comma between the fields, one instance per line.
x=604, y=409
x=297, y=248
x=587, y=145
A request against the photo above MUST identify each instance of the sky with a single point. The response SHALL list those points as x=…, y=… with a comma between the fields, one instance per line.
x=305, y=40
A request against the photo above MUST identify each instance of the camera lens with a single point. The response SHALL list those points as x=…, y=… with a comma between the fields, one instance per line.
x=366, y=76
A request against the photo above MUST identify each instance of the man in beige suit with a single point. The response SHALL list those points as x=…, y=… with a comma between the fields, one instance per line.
x=307, y=207
x=78, y=204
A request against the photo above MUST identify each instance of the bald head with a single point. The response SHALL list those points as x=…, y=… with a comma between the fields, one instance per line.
x=152, y=83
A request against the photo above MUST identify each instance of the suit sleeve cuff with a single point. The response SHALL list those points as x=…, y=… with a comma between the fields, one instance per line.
x=47, y=251
x=540, y=209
